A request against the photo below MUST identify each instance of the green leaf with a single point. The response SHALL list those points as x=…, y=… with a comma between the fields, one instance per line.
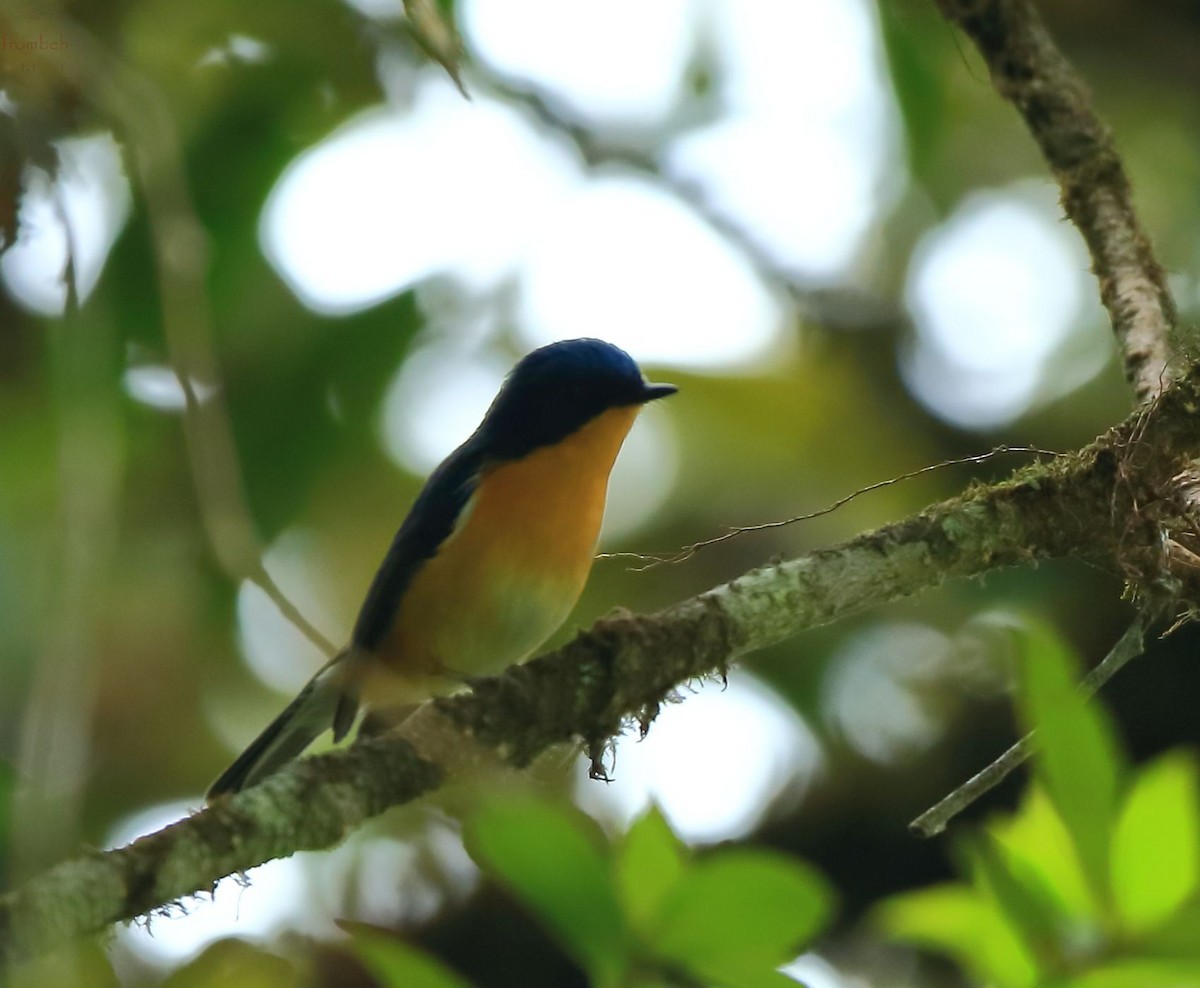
x=957, y=921
x=740, y=914
x=1022, y=899
x=650, y=860
x=1036, y=840
x=397, y=964
x=1156, y=843
x=6, y=790
x=1178, y=936
x=1140, y=973
x=1078, y=758
x=289, y=433
x=233, y=962
x=551, y=858
x=916, y=81
x=764, y=979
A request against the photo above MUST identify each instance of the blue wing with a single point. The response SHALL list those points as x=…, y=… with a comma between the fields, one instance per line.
x=430, y=521
x=331, y=694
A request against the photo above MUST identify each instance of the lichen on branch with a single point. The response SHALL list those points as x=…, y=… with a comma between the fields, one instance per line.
x=1114, y=503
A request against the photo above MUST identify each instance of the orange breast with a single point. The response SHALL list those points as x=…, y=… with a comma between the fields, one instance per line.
x=513, y=568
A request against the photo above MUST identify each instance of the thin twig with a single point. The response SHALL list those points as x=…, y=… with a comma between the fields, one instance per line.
x=70, y=274
x=933, y=821
x=264, y=581
x=144, y=121
x=648, y=560
x=55, y=731
x=437, y=35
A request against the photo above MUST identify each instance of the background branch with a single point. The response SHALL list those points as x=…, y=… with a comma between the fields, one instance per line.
x=143, y=119
x=1028, y=70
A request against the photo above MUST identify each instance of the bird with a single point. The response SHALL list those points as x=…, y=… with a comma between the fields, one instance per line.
x=490, y=559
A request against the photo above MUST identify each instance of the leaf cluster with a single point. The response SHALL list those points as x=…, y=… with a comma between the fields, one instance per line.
x=1095, y=881
x=639, y=911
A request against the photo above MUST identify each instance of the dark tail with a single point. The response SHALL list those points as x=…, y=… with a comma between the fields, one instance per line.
x=302, y=721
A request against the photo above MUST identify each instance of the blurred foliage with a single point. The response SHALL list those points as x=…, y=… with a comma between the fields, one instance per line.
x=1092, y=882
x=636, y=912
x=231, y=962
x=82, y=966
x=397, y=965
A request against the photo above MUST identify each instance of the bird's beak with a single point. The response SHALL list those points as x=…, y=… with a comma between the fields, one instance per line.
x=652, y=392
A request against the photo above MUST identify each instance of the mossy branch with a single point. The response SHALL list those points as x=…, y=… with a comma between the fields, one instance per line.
x=1123, y=502
x=1115, y=503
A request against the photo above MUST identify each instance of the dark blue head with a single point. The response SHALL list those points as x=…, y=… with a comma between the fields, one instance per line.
x=554, y=390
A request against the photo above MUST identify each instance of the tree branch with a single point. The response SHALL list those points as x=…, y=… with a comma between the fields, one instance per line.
x=1115, y=502
x=1121, y=502
x=1028, y=70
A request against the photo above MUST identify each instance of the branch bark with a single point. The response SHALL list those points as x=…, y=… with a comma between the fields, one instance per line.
x=1028, y=70
x=1115, y=503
